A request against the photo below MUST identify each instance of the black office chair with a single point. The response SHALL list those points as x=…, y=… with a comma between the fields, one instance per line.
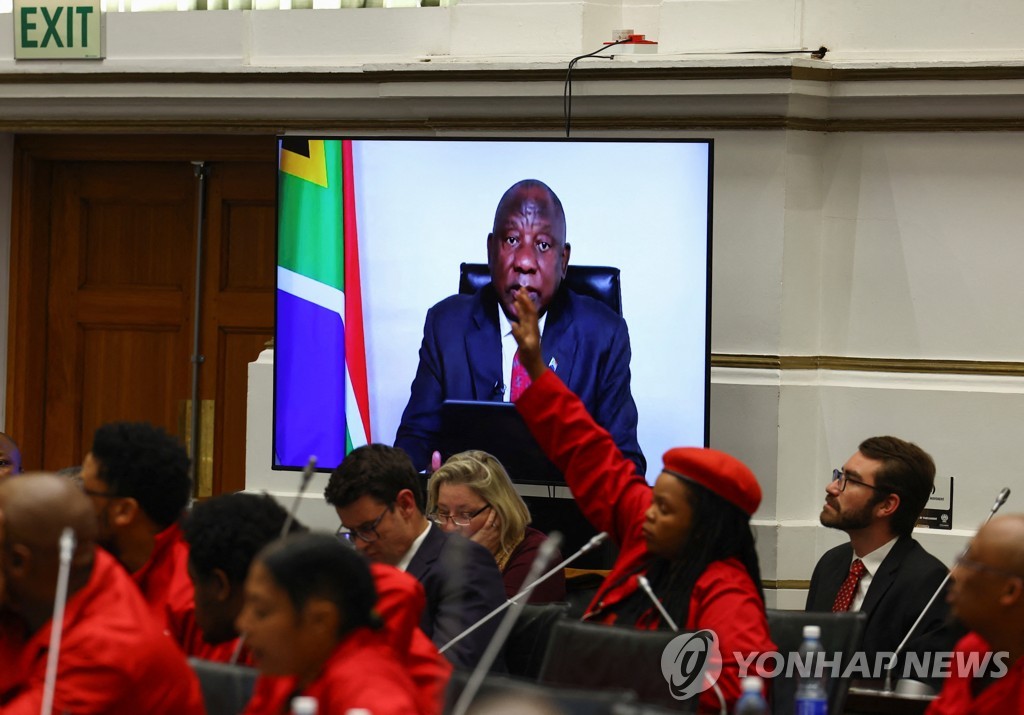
x=588, y=655
x=598, y=282
x=567, y=701
x=226, y=688
x=840, y=633
x=528, y=640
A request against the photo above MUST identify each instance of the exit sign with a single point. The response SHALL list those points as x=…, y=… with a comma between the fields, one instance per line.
x=57, y=29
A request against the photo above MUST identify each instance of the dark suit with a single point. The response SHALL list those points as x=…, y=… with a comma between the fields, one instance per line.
x=585, y=342
x=463, y=585
x=898, y=593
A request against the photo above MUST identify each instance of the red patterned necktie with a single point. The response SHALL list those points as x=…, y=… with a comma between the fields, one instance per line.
x=845, y=596
x=520, y=378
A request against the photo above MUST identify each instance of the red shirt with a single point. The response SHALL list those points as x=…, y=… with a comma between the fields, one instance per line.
x=1002, y=696
x=114, y=659
x=362, y=672
x=168, y=590
x=614, y=499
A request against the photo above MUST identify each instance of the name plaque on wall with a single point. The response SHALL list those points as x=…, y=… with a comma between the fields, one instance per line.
x=939, y=512
x=58, y=30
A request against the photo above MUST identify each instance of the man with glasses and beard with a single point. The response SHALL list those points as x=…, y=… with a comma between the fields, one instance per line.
x=876, y=498
x=379, y=499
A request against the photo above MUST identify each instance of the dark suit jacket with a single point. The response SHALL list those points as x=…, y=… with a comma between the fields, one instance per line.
x=897, y=595
x=460, y=359
x=463, y=585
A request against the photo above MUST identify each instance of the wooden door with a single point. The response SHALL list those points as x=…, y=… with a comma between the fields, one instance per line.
x=104, y=291
x=238, y=305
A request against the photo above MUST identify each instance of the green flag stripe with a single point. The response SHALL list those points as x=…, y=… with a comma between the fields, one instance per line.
x=311, y=223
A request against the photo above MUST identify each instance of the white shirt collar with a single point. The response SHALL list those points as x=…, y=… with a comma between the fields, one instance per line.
x=416, y=544
x=872, y=562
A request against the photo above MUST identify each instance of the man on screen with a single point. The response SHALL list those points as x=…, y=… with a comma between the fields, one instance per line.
x=468, y=352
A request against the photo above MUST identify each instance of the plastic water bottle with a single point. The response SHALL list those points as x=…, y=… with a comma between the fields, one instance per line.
x=752, y=701
x=304, y=705
x=811, y=691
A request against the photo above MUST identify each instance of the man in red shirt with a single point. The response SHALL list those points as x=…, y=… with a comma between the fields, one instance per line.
x=114, y=659
x=137, y=478
x=988, y=596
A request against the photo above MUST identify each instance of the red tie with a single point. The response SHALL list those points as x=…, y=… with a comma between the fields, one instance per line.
x=845, y=596
x=520, y=378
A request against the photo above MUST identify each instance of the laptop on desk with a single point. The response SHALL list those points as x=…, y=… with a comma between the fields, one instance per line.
x=496, y=428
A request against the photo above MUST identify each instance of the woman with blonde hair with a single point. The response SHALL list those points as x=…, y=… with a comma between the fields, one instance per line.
x=472, y=494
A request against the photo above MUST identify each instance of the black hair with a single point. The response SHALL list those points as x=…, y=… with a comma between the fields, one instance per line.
x=908, y=471
x=141, y=461
x=227, y=532
x=720, y=530
x=319, y=565
x=377, y=470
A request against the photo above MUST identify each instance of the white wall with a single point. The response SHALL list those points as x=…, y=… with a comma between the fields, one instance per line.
x=496, y=30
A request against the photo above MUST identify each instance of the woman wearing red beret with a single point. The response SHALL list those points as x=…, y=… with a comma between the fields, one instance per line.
x=689, y=536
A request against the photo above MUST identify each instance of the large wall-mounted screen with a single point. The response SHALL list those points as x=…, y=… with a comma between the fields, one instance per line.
x=371, y=235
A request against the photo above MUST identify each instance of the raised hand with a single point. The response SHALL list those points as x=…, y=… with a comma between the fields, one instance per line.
x=527, y=334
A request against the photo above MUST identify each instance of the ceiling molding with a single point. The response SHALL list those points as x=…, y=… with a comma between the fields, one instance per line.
x=864, y=364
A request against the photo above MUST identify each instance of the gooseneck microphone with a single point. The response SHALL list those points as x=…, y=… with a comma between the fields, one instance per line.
x=526, y=590
x=67, y=549
x=645, y=586
x=545, y=553
x=1001, y=498
x=307, y=474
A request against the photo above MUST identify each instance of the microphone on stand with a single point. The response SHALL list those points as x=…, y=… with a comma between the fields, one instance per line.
x=645, y=586
x=67, y=549
x=1001, y=498
x=526, y=590
x=307, y=474
x=544, y=555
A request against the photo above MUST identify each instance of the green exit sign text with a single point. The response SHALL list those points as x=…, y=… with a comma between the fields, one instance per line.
x=57, y=29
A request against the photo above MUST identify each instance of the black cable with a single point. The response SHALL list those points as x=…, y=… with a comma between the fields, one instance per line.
x=817, y=54
x=567, y=91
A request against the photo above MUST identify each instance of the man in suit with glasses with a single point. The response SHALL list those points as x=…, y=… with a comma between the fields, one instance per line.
x=876, y=498
x=379, y=498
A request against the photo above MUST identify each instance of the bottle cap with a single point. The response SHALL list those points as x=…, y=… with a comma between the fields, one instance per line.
x=304, y=705
x=812, y=631
x=753, y=684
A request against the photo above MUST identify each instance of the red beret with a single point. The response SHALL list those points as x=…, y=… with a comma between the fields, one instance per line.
x=718, y=472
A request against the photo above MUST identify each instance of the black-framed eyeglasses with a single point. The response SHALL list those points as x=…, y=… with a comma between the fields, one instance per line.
x=461, y=519
x=366, y=533
x=985, y=568
x=838, y=475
